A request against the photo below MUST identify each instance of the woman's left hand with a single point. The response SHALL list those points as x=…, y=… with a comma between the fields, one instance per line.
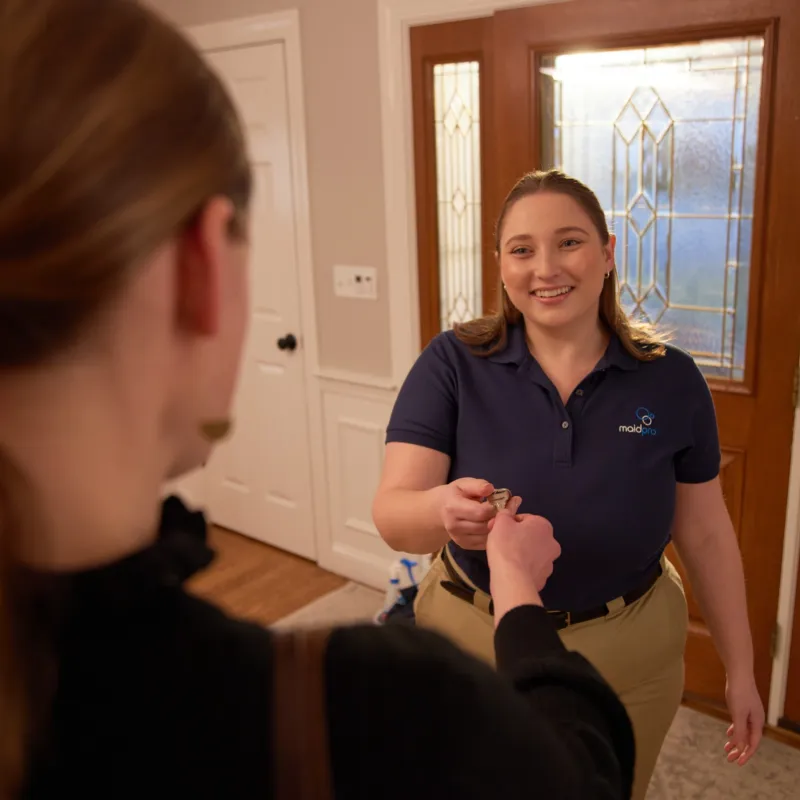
x=747, y=713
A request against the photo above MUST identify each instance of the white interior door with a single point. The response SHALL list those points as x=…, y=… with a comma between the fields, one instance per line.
x=259, y=481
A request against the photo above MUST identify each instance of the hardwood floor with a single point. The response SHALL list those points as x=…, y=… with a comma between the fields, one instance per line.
x=258, y=582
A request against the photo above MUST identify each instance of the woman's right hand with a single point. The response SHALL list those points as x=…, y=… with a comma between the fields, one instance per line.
x=464, y=515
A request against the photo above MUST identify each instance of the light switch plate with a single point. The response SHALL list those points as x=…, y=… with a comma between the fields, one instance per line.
x=360, y=283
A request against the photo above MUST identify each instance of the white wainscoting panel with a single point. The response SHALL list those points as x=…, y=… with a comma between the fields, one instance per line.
x=355, y=427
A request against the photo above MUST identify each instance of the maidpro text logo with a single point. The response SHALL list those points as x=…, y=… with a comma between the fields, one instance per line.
x=645, y=425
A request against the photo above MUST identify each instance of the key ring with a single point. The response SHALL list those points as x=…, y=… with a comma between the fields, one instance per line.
x=499, y=498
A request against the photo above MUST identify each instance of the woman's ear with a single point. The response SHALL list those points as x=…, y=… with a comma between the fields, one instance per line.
x=201, y=250
x=609, y=252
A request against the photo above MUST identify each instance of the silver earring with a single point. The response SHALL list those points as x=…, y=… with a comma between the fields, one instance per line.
x=608, y=275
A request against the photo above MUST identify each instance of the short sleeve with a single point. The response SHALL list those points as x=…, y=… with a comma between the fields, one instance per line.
x=700, y=461
x=426, y=409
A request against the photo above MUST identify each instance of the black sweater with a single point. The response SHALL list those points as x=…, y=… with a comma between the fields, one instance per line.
x=160, y=694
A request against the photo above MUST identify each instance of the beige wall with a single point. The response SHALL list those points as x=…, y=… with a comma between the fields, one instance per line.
x=342, y=103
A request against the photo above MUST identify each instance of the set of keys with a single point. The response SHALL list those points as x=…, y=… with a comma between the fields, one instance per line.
x=499, y=498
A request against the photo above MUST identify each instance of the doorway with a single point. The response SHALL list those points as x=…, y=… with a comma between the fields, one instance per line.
x=682, y=118
x=259, y=481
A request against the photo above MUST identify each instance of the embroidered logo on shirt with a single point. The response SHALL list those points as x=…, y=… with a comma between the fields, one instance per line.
x=645, y=427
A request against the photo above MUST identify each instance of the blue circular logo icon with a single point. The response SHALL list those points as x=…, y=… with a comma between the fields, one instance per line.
x=644, y=416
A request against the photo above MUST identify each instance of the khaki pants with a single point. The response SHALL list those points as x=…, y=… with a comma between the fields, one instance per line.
x=638, y=649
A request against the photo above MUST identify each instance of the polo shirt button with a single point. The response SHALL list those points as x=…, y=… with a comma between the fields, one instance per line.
x=565, y=424
x=579, y=392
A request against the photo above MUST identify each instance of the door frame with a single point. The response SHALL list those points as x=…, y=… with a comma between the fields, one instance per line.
x=284, y=27
x=790, y=585
x=395, y=19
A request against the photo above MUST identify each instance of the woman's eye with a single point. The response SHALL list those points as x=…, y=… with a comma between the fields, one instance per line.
x=520, y=251
x=570, y=243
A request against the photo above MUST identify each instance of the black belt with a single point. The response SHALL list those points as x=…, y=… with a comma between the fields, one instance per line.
x=562, y=619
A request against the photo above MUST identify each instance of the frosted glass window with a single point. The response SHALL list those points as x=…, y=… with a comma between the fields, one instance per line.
x=456, y=98
x=667, y=138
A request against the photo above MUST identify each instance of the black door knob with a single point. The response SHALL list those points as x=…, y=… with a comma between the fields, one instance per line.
x=288, y=342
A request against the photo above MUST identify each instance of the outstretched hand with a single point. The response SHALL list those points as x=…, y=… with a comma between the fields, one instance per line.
x=521, y=547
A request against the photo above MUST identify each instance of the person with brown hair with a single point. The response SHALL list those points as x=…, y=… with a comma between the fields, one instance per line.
x=124, y=197
x=593, y=422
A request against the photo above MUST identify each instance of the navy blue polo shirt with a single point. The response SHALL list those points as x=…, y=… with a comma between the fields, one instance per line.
x=603, y=469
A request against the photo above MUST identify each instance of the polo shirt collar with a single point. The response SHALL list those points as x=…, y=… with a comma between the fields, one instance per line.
x=516, y=351
x=617, y=356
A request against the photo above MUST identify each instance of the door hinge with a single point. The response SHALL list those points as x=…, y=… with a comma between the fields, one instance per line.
x=775, y=642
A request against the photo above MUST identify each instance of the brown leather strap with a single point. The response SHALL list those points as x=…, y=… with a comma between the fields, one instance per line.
x=300, y=743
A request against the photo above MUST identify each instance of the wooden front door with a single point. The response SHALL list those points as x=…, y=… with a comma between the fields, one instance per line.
x=684, y=117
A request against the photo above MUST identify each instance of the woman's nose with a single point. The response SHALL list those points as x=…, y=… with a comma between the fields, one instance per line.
x=546, y=265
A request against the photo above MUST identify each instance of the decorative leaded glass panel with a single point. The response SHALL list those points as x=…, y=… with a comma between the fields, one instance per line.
x=666, y=137
x=456, y=96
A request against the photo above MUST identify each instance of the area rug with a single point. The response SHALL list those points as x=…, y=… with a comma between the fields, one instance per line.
x=350, y=604
x=692, y=764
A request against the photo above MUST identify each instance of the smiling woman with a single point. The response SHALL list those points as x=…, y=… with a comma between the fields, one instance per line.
x=556, y=397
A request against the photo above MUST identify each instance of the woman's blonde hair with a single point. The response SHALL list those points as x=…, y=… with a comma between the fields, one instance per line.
x=115, y=134
x=489, y=334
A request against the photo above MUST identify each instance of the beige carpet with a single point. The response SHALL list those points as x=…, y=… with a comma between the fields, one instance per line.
x=352, y=603
x=692, y=764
